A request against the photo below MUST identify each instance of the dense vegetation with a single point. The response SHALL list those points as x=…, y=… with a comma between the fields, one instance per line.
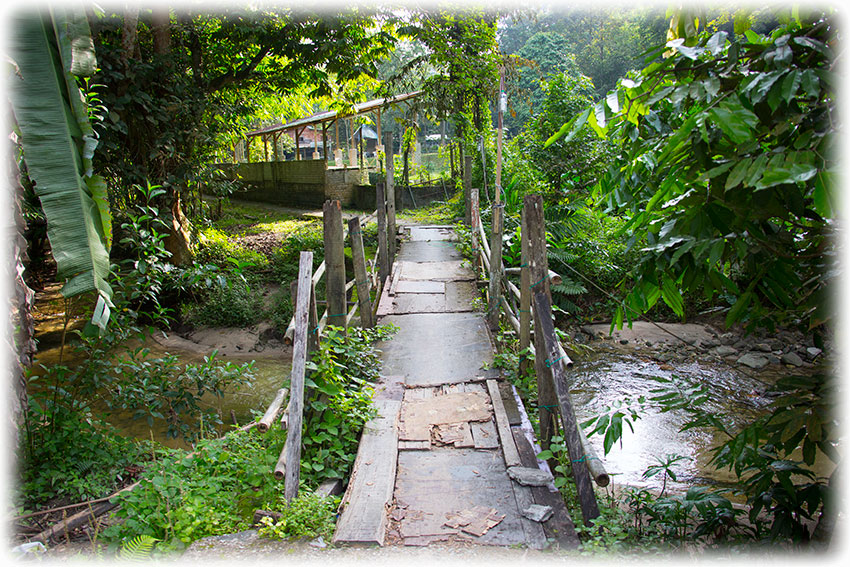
x=699, y=172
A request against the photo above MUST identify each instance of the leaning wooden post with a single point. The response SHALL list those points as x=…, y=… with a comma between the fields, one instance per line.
x=361, y=277
x=383, y=248
x=524, y=295
x=335, y=263
x=390, y=198
x=539, y=278
x=550, y=354
x=467, y=187
x=289, y=464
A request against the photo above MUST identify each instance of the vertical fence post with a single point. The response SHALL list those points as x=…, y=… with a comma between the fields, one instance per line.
x=467, y=187
x=361, y=278
x=291, y=457
x=524, y=295
x=383, y=248
x=475, y=220
x=495, y=288
x=539, y=277
x=390, y=199
x=334, y=263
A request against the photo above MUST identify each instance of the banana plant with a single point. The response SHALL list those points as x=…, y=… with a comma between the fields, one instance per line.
x=50, y=50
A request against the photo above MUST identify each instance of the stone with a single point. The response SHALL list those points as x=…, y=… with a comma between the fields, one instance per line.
x=528, y=476
x=753, y=360
x=772, y=358
x=726, y=350
x=763, y=347
x=727, y=338
x=792, y=358
x=813, y=352
x=538, y=513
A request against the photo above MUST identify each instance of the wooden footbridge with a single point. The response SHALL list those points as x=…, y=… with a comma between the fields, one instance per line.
x=451, y=454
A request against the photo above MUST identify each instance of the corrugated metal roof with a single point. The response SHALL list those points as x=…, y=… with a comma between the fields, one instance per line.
x=328, y=115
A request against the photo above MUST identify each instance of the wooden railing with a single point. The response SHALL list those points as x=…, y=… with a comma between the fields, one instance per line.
x=306, y=327
x=527, y=308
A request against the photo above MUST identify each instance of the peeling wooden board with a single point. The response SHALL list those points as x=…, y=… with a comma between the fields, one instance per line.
x=418, y=233
x=420, y=286
x=502, y=426
x=417, y=416
x=411, y=394
x=484, y=435
x=370, y=490
x=457, y=434
x=459, y=295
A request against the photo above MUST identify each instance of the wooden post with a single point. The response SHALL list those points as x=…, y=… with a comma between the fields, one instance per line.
x=496, y=232
x=361, y=278
x=378, y=126
x=524, y=294
x=325, y=142
x=383, y=247
x=467, y=186
x=266, y=148
x=390, y=197
x=275, y=137
x=334, y=263
x=291, y=457
x=484, y=169
x=539, y=278
x=550, y=353
x=475, y=220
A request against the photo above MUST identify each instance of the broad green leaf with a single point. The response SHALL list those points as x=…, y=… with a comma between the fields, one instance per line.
x=736, y=122
x=821, y=194
x=738, y=309
x=738, y=173
x=45, y=117
x=672, y=296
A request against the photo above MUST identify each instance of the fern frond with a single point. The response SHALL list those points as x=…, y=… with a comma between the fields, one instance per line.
x=568, y=287
x=137, y=549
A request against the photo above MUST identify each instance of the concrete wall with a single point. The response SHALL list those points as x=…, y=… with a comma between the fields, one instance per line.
x=300, y=183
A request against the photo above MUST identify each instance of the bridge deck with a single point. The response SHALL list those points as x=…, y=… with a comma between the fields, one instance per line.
x=440, y=460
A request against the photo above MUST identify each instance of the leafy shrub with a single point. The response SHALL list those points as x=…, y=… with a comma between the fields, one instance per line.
x=307, y=516
x=217, y=247
x=235, y=305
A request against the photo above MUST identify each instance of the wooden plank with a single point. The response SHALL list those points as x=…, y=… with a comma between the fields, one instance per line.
x=484, y=435
x=550, y=354
x=370, y=491
x=559, y=526
x=361, y=277
x=420, y=286
x=495, y=285
x=502, y=426
x=413, y=445
x=418, y=416
x=335, y=261
x=292, y=448
x=509, y=401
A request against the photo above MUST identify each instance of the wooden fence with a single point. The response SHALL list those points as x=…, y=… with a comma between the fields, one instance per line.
x=527, y=308
x=306, y=327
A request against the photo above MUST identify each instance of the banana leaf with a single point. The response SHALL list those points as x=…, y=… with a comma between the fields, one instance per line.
x=58, y=142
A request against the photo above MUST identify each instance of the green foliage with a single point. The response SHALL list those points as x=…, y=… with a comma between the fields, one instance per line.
x=340, y=400
x=308, y=516
x=49, y=53
x=137, y=549
x=217, y=247
x=214, y=491
x=726, y=166
x=235, y=305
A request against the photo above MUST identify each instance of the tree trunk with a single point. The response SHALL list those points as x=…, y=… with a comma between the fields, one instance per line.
x=178, y=239
x=128, y=39
x=161, y=20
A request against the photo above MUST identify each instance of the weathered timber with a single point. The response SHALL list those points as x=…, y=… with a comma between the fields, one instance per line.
x=559, y=526
x=542, y=306
x=539, y=281
x=271, y=412
x=594, y=464
x=335, y=261
x=502, y=425
x=475, y=222
x=370, y=490
x=390, y=197
x=467, y=187
x=383, y=245
x=554, y=277
x=292, y=446
x=524, y=295
x=361, y=277
x=495, y=287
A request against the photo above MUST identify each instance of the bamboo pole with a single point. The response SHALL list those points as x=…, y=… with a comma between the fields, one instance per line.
x=498, y=216
x=467, y=187
x=271, y=413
